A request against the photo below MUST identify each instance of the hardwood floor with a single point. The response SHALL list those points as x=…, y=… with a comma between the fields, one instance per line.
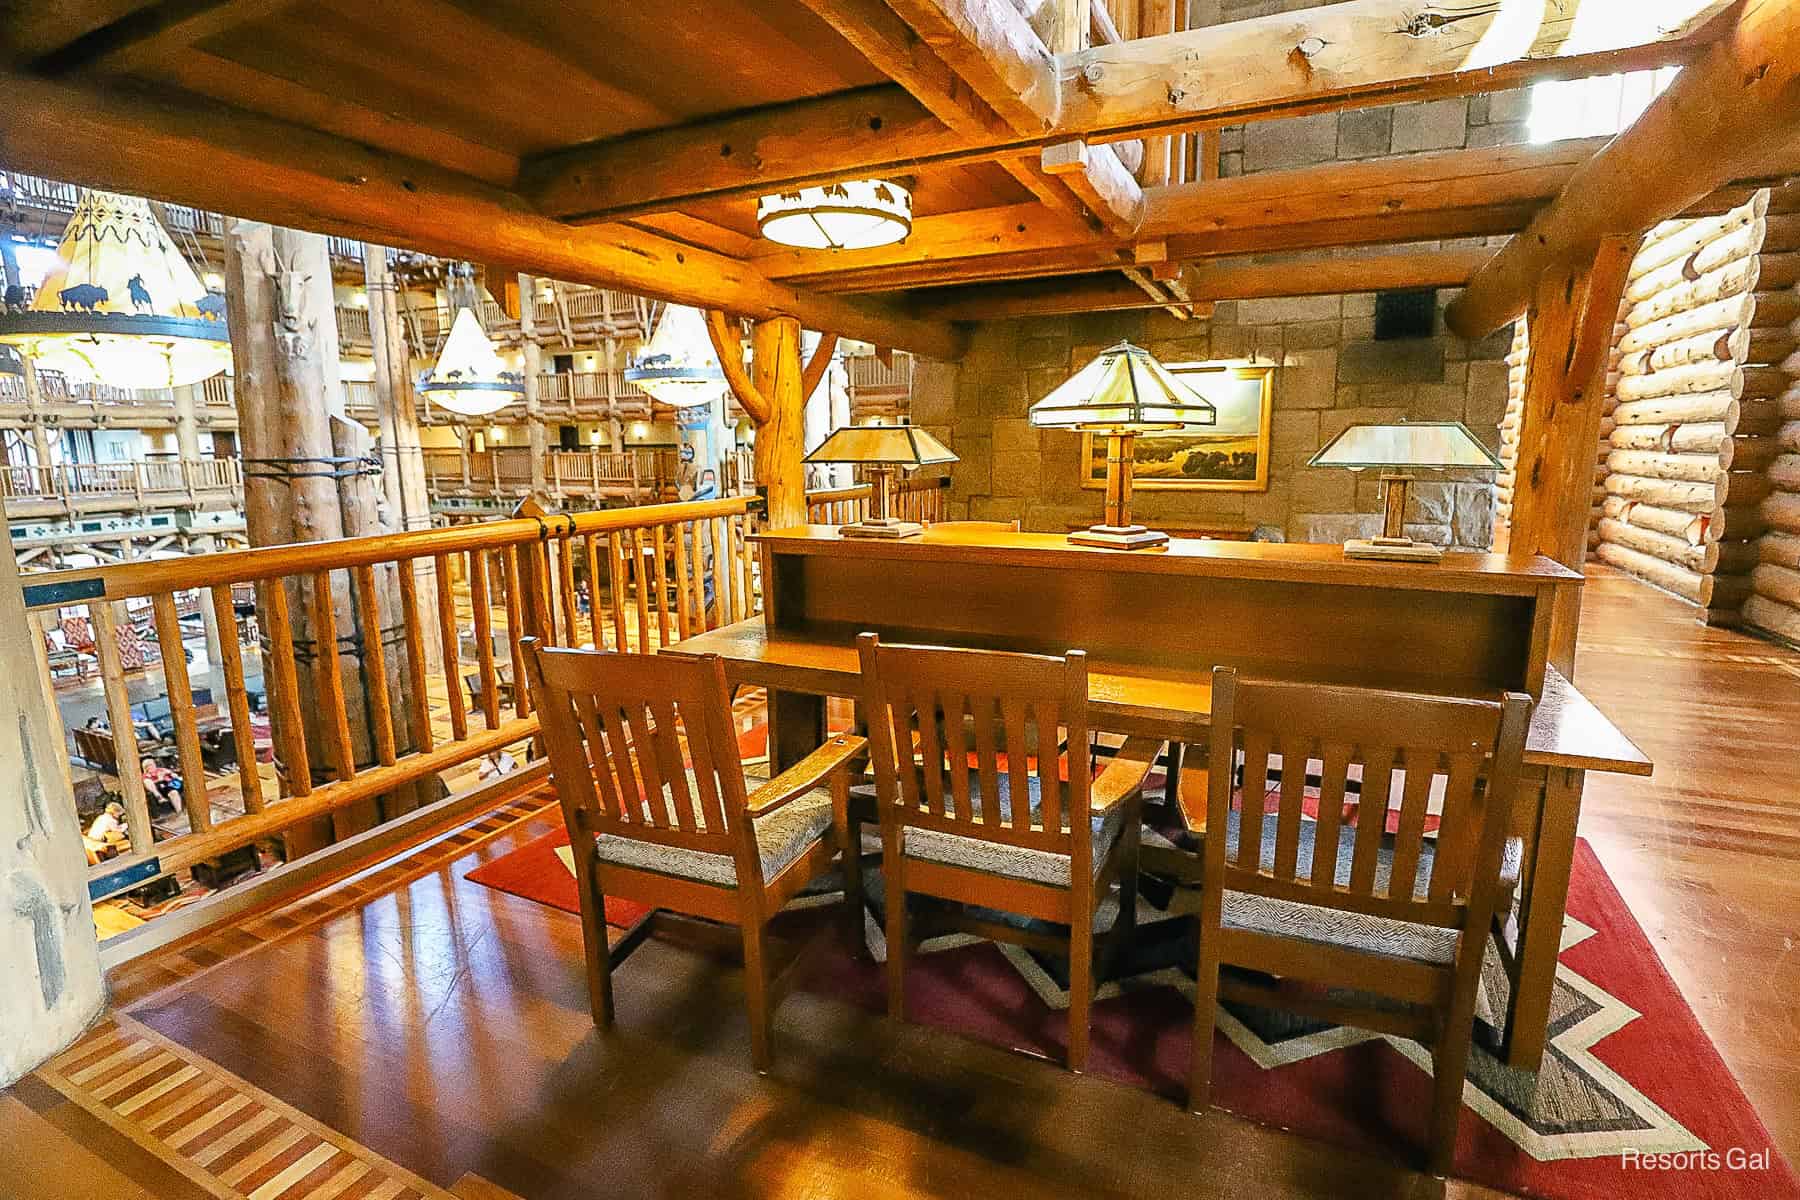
x=441, y=1027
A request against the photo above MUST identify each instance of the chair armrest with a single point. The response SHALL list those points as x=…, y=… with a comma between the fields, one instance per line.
x=807, y=774
x=1125, y=774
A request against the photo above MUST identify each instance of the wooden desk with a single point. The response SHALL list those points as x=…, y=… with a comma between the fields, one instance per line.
x=1154, y=624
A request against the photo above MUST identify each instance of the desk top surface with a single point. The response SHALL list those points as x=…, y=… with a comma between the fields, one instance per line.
x=1566, y=729
x=1302, y=562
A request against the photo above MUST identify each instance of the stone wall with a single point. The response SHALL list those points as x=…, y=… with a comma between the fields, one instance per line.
x=1329, y=374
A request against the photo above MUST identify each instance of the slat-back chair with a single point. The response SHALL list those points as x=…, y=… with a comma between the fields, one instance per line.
x=1003, y=835
x=659, y=810
x=1330, y=904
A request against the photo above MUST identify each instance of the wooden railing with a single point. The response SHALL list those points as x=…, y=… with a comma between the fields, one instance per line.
x=636, y=577
x=150, y=478
x=915, y=499
x=506, y=470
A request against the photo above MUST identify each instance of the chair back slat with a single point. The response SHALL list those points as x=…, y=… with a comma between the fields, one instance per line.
x=925, y=705
x=641, y=745
x=1438, y=745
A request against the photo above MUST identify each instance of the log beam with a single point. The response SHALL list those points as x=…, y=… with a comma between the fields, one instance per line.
x=266, y=169
x=1100, y=181
x=1320, y=59
x=1739, y=99
x=990, y=46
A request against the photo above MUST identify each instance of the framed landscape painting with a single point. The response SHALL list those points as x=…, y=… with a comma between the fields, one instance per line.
x=1230, y=456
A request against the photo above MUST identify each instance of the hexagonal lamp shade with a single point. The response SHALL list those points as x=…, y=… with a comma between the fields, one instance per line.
x=1120, y=394
x=1419, y=445
x=884, y=452
x=124, y=309
x=470, y=379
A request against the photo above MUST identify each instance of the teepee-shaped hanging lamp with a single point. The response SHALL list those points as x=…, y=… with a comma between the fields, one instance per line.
x=124, y=308
x=469, y=378
x=677, y=365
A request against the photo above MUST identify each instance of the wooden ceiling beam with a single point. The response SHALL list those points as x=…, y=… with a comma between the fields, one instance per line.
x=1207, y=282
x=990, y=46
x=1100, y=181
x=1336, y=56
x=145, y=35
x=263, y=169
x=1719, y=120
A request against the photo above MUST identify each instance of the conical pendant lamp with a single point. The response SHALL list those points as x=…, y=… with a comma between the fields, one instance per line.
x=469, y=378
x=677, y=365
x=124, y=308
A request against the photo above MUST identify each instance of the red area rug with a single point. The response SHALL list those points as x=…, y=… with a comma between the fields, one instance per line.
x=536, y=872
x=1633, y=1100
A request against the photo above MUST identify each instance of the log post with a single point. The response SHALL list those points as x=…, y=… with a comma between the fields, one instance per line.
x=533, y=354
x=397, y=415
x=1570, y=320
x=775, y=370
x=48, y=948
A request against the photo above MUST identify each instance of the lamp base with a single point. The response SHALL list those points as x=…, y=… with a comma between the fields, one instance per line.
x=886, y=527
x=1119, y=537
x=1400, y=549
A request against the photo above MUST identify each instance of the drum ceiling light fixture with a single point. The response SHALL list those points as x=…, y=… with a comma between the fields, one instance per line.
x=857, y=214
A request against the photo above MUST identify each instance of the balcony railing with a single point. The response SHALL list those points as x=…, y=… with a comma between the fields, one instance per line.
x=149, y=479
x=914, y=500
x=633, y=577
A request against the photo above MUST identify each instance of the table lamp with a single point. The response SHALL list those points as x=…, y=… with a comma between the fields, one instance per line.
x=1122, y=393
x=1422, y=445
x=883, y=451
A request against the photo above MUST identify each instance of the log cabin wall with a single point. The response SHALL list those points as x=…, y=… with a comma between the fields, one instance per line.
x=1695, y=395
x=1773, y=605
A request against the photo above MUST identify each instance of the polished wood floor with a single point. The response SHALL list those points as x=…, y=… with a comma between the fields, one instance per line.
x=413, y=1033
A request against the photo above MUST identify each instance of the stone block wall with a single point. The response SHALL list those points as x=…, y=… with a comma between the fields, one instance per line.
x=1329, y=374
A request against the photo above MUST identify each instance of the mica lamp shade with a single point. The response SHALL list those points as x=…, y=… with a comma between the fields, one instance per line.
x=884, y=451
x=678, y=365
x=1123, y=390
x=1422, y=445
x=123, y=308
x=470, y=379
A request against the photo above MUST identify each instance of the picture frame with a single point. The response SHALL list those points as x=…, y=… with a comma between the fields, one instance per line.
x=1230, y=456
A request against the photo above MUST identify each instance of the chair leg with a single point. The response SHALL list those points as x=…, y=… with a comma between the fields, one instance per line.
x=1206, y=1008
x=594, y=944
x=898, y=940
x=756, y=994
x=1081, y=981
x=1449, y=1070
x=853, y=892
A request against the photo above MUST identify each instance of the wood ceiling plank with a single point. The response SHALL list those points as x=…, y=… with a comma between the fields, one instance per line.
x=149, y=34
x=1248, y=70
x=176, y=150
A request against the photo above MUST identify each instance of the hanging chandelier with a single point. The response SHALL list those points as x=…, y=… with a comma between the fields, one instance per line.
x=123, y=307
x=678, y=365
x=858, y=214
x=469, y=378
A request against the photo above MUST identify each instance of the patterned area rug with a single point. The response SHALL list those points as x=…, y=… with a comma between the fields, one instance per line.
x=1632, y=1100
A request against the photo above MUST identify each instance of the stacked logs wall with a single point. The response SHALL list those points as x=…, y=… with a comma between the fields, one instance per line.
x=1774, y=601
x=1696, y=389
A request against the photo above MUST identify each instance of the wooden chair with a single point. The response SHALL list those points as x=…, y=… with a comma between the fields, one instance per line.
x=1330, y=905
x=999, y=836
x=645, y=761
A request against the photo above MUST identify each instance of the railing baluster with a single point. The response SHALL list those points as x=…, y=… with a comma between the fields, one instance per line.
x=640, y=587
x=515, y=612
x=284, y=695
x=565, y=579
x=746, y=577
x=181, y=712
x=660, y=574
x=452, y=651
x=721, y=568
x=381, y=707
x=480, y=596
x=683, y=624
x=124, y=732
x=328, y=677
x=237, y=696
x=592, y=555
x=418, y=713
x=615, y=574
x=703, y=553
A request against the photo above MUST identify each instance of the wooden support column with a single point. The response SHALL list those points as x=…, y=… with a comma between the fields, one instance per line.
x=1571, y=319
x=534, y=363
x=397, y=414
x=775, y=370
x=34, y=402
x=48, y=949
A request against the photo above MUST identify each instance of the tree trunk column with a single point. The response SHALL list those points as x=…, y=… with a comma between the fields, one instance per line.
x=533, y=356
x=48, y=949
x=397, y=412
x=780, y=471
